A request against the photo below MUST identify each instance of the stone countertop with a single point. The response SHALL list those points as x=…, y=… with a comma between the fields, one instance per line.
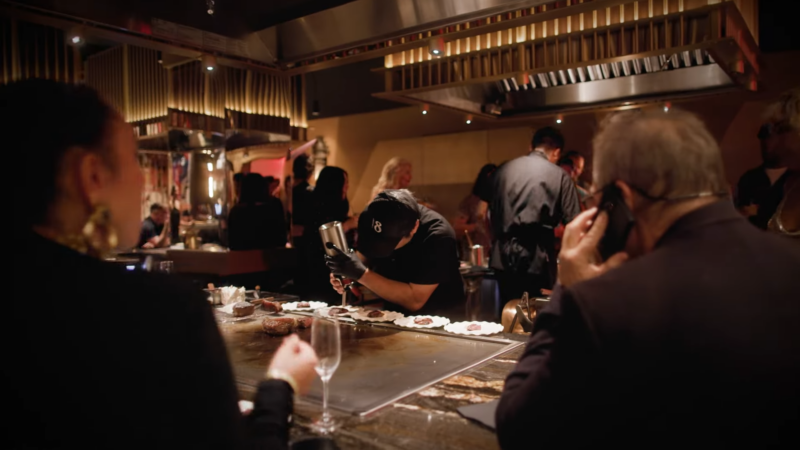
x=427, y=419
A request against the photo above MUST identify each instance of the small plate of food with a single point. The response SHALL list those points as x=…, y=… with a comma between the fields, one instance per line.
x=304, y=306
x=337, y=311
x=422, y=322
x=474, y=328
x=376, y=315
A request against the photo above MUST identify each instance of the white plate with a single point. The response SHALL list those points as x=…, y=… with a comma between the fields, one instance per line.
x=292, y=306
x=388, y=316
x=408, y=322
x=350, y=309
x=487, y=328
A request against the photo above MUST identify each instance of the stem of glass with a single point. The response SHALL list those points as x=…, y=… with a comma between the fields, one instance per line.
x=325, y=415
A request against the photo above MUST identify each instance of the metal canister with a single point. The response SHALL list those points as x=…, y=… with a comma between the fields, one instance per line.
x=214, y=296
x=334, y=233
x=477, y=257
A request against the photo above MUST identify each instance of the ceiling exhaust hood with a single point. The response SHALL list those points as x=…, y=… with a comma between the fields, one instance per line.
x=528, y=71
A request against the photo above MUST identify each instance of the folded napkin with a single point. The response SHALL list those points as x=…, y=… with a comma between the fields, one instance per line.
x=483, y=412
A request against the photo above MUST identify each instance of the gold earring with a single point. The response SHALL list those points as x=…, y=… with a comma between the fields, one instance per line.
x=100, y=235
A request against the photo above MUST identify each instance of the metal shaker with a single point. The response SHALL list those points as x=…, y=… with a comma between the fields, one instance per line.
x=334, y=233
x=477, y=256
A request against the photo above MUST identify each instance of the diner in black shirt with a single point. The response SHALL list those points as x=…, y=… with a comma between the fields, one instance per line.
x=152, y=234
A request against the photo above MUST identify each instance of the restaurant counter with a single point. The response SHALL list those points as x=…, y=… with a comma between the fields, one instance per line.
x=425, y=419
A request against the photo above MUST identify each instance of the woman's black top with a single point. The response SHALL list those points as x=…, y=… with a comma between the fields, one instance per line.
x=318, y=275
x=104, y=358
x=257, y=226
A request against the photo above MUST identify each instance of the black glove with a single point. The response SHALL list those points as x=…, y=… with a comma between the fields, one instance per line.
x=345, y=265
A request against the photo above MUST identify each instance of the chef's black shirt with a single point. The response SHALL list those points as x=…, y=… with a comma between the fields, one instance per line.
x=529, y=197
x=430, y=258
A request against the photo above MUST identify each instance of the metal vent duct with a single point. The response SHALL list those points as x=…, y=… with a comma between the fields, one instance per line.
x=676, y=55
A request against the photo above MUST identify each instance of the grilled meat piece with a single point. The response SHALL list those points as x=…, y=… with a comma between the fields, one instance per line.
x=337, y=311
x=375, y=313
x=303, y=305
x=242, y=309
x=278, y=327
x=271, y=307
x=473, y=327
x=304, y=322
x=423, y=321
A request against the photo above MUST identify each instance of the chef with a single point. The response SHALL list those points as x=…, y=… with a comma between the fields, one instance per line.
x=407, y=255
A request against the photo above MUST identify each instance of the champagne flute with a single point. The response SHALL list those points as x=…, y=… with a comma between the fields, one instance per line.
x=326, y=340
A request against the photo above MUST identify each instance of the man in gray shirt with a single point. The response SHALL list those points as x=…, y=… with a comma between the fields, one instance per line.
x=529, y=197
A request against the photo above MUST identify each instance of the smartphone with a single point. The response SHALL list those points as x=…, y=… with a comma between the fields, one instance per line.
x=620, y=222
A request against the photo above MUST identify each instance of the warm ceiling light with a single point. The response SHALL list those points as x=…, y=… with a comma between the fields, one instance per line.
x=424, y=112
x=76, y=39
x=209, y=62
x=436, y=46
x=558, y=120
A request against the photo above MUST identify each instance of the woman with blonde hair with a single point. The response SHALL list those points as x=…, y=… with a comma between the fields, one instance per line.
x=396, y=174
x=783, y=126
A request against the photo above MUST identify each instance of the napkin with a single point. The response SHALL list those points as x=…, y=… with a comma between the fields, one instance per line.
x=483, y=412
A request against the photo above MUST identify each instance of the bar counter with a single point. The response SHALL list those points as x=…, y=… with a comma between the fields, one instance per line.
x=426, y=419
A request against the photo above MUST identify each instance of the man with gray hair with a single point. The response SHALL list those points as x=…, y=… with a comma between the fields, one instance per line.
x=690, y=335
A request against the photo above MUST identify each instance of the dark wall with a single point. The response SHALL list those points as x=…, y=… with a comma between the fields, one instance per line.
x=777, y=26
x=346, y=90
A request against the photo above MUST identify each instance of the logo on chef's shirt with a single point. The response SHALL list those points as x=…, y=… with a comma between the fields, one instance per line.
x=377, y=226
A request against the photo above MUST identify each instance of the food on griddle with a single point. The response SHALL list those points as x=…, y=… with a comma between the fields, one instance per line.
x=285, y=325
x=337, y=311
x=279, y=327
x=474, y=327
x=375, y=313
x=304, y=322
x=271, y=307
x=303, y=305
x=242, y=309
x=423, y=321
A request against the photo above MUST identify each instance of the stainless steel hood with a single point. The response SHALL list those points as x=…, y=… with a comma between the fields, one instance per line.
x=366, y=21
x=616, y=65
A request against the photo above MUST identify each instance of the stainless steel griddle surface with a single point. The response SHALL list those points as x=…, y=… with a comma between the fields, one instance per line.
x=380, y=364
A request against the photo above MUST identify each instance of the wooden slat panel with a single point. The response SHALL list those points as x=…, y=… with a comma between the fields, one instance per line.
x=34, y=51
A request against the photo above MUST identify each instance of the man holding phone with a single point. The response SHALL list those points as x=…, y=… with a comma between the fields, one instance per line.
x=684, y=330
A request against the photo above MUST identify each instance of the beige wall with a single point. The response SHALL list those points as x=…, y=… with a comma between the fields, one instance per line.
x=447, y=153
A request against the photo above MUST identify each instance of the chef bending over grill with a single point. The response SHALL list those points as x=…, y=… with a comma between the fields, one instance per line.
x=407, y=255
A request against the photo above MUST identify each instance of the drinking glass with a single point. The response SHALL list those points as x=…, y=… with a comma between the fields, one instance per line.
x=167, y=266
x=326, y=340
